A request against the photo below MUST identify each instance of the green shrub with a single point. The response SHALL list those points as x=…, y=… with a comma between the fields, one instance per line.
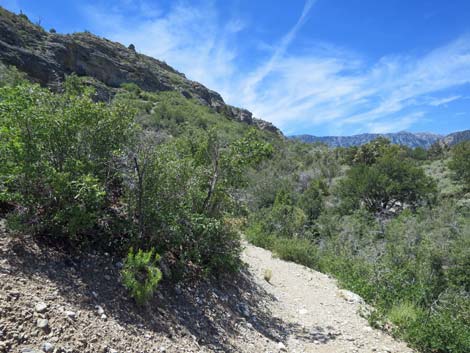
x=300, y=251
x=10, y=76
x=388, y=184
x=460, y=163
x=181, y=192
x=59, y=156
x=140, y=275
x=403, y=314
x=312, y=200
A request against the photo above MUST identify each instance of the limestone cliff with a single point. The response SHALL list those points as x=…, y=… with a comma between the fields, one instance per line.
x=48, y=57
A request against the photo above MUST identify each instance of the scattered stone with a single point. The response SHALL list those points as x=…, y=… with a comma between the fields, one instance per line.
x=282, y=347
x=48, y=347
x=350, y=296
x=107, y=277
x=244, y=310
x=100, y=309
x=42, y=324
x=4, y=346
x=178, y=290
x=40, y=307
x=70, y=314
x=29, y=350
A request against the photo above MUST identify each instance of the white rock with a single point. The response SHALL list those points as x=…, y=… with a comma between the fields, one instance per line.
x=42, y=323
x=47, y=347
x=350, y=296
x=40, y=307
x=70, y=314
x=281, y=346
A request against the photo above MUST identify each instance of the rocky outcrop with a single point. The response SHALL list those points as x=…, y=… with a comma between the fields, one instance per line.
x=48, y=57
x=455, y=138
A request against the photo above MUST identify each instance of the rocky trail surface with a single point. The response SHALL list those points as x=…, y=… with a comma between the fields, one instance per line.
x=51, y=301
x=326, y=318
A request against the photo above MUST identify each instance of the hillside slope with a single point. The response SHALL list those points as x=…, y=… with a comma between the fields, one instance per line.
x=50, y=302
x=456, y=137
x=48, y=57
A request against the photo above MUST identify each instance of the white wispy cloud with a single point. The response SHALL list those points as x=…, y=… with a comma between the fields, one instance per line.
x=323, y=86
x=191, y=39
x=398, y=124
x=435, y=102
x=260, y=73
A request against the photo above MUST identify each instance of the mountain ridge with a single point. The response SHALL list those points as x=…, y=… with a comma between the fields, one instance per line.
x=47, y=57
x=405, y=138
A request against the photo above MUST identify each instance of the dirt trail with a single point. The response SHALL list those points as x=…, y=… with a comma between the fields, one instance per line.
x=52, y=302
x=311, y=300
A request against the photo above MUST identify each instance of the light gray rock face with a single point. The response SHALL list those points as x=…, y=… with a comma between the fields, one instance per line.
x=404, y=138
x=48, y=57
x=456, y=137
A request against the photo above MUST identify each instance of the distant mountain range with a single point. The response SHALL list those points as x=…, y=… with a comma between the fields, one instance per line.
x=420, y=139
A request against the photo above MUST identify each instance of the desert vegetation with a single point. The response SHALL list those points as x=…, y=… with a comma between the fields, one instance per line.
x=391, y=223
x=157, y=173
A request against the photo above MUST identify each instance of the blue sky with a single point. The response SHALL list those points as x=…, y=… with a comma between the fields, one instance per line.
x=324, y=67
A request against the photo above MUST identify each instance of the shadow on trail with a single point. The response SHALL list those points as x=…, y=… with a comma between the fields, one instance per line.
x=211, y=312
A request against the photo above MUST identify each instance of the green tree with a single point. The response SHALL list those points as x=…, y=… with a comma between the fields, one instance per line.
x=390, y=184
x=181, y=192
x=370, y=152
x=312, y=200
x=436, y=150
x=460, y=163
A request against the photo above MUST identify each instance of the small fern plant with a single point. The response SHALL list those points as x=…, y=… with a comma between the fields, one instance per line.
x=140, y=274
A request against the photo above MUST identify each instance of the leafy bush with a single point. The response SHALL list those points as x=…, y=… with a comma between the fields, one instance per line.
x=312, y=200
x=140, y=275
x=60, y=156
x=412, y=265
x=460, y=163
x=300, y=251
x=386, y=185
x=180, y=193
x=10, y=76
